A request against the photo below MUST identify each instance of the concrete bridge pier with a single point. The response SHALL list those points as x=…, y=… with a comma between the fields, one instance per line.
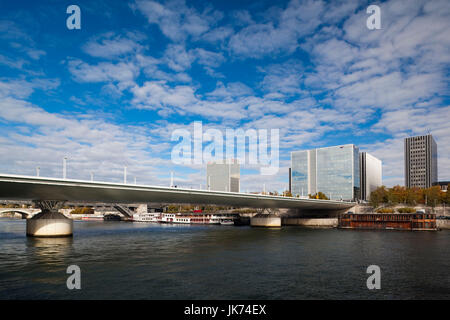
x=49, y=222
x=266, y=218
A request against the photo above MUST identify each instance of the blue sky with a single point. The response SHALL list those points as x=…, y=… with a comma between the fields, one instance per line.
x=112, y=93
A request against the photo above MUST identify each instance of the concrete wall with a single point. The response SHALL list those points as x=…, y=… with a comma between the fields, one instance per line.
x=311, y=222
x=443, y=224
x=265, y=220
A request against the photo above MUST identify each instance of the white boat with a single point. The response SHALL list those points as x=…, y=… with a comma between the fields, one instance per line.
x=145, y=217
x=227, y=222
x=175, y=218
x=185, y=218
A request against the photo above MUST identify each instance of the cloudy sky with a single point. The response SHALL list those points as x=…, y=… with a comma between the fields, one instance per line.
x=112, y=93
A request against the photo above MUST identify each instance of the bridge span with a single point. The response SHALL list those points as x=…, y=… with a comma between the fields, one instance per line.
x=24, y=212
x=49, y=193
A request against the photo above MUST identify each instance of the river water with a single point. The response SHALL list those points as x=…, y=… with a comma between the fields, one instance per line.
x=124, y=260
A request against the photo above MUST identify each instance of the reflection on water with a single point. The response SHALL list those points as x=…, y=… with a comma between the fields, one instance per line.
x=121, y=260
x=48, y=250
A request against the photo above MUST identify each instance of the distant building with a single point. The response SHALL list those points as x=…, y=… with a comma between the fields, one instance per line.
x=223, y=176
x=443, y=185
x=371, y=174
x=420, y=161
x=333, y=171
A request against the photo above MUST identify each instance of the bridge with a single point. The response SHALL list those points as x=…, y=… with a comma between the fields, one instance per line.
x=26, y=213
x=50, y=194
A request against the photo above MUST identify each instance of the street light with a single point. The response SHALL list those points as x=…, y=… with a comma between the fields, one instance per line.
x=64, y=168
x=37, y=171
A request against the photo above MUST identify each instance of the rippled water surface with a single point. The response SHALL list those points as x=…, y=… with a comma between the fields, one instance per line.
x=123, y=260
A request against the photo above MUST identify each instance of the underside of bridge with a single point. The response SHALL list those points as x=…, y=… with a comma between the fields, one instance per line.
x=51, y=193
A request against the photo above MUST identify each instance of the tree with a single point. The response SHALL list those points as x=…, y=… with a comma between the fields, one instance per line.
x=447, y=195
x=433, y=195
x=414, y=196
x=319, y=195
x=397, y=194
x=378, y=196
x=287, y=193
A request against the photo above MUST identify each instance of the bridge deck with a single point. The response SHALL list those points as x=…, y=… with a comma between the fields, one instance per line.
x=14, y=187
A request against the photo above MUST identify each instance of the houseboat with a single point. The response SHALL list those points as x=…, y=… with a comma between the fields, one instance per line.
x=388, y=221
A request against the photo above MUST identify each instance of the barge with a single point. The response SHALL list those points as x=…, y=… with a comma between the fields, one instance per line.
x=388, y=221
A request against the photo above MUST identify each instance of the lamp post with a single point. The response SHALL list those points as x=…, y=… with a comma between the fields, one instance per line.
x=64, y=168
x=125, y=175
x=37, y=171
x=92, y=176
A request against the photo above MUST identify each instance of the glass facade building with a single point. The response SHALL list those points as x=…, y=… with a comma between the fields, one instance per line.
x=333, y=171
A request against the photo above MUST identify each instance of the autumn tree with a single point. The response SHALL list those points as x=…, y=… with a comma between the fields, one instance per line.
x=447, y=195
x=432, y=195
x=414, y=196
x=287, y=193
x=397, y=194
x=378, y=196
x=319, y=195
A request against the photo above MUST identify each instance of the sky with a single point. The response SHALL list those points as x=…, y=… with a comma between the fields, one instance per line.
x=111, y=94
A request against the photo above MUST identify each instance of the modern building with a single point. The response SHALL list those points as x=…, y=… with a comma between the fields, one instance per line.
x=370, y=169
x=420, y=161
x=223, y=176
x=333, y=171
x=443, y=185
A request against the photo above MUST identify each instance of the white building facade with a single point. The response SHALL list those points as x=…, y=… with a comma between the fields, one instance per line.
x=223, y=176
x=371, y=174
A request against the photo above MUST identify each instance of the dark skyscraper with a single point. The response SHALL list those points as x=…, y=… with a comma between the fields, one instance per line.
x=420, y=161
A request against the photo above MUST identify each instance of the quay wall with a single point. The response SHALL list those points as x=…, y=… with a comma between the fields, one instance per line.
x=311, y=222
x=443, y=224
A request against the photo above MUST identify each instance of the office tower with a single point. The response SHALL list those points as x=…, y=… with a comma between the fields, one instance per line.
x=223, y=176
x=420, y=161
x=371, y=174
x=333, y=171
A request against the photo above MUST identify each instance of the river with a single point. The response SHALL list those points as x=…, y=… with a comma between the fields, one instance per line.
x=125, y=260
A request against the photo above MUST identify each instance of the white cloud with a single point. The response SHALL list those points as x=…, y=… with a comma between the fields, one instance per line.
x=299, y=19
x=122, y=72
x=110, y=45
x=176, y=20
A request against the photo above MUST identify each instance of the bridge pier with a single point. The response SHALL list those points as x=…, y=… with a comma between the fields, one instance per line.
x=268, y=220
x=49, y=222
